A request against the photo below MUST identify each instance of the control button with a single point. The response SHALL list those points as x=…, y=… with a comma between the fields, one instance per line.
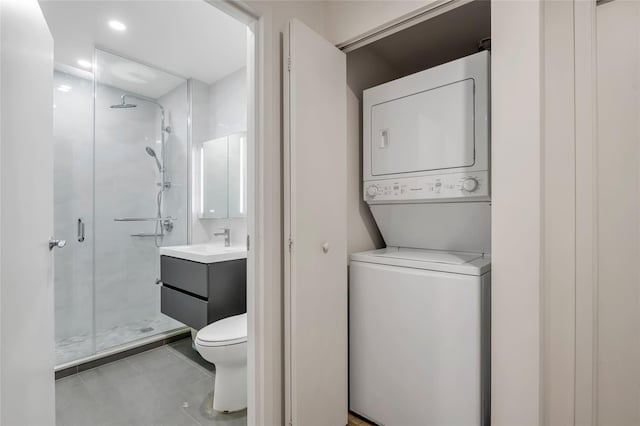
x=470, y=184
x=372, y=191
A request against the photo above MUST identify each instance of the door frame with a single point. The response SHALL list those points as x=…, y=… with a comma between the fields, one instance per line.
x=586, y=301
x=264, y=316
x=568, y=306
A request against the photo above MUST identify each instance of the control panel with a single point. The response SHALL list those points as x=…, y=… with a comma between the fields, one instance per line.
x=428, y=188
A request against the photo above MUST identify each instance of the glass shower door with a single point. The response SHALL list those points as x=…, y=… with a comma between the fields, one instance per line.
x=120, y=192
x=73, y=214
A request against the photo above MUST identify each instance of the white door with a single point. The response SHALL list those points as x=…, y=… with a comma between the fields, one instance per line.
x=315, y=225
x=26, y=217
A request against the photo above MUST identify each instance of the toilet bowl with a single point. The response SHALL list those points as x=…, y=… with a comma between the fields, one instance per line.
x=224, y=344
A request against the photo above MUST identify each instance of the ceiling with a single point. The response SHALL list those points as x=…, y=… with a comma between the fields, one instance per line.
x=187, y=38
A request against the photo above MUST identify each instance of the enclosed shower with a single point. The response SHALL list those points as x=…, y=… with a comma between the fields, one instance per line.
x=121, y=191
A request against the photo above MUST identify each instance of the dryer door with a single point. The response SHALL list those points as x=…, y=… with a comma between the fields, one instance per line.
x=430, y=130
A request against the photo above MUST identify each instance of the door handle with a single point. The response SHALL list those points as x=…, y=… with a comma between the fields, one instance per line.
x=80, y=230
x=56, y=243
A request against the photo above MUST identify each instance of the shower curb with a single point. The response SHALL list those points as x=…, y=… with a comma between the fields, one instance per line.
x=88, y=365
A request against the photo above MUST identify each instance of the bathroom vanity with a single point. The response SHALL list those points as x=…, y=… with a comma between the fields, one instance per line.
x=203, y=283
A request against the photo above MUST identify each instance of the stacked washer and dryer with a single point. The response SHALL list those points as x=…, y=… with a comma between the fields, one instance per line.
x=419, y=309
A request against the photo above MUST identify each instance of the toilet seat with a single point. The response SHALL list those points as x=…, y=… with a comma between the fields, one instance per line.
x=225, y=332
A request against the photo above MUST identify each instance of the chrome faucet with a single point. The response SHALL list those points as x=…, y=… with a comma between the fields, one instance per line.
x=226, y=232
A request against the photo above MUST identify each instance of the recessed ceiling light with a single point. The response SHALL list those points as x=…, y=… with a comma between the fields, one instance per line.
x=117, y=25
x=84, y=63
x=64, y=88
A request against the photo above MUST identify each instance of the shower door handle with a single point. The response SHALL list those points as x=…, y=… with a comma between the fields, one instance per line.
x=53, y=243
x=80, y=230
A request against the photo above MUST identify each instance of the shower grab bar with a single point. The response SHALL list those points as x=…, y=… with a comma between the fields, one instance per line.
x=143, y=219
x=147, y=235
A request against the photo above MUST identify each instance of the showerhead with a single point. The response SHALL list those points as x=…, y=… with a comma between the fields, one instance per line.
x=152, y=153
x=123, y=105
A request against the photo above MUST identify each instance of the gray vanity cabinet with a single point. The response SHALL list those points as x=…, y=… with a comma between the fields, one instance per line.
x=198, y=294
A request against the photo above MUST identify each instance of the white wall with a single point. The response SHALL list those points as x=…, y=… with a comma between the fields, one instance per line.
x=200, y=125
x=364, y=70
x=228, y=105
x=219, y=110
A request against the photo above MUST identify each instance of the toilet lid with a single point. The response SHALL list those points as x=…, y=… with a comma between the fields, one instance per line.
x=228, y=331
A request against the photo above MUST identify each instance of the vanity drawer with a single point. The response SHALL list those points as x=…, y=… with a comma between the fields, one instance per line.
x=187, y=309
x=227, y=289
x=185, y=275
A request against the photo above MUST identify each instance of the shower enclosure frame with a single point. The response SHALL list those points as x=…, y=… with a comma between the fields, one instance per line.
x=161, y=336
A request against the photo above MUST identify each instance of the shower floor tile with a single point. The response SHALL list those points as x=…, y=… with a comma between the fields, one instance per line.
x=169, y=385
x=76, y=347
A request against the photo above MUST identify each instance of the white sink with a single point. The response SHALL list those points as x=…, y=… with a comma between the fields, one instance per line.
x=205, y=253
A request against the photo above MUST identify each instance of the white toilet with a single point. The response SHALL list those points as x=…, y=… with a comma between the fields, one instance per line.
x=224, y=344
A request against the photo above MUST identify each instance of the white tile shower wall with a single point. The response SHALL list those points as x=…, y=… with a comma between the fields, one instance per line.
x=125, y=186
x=218, y=110
x=176, y=205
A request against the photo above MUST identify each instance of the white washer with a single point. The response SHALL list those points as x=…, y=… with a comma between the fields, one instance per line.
x=419, y=337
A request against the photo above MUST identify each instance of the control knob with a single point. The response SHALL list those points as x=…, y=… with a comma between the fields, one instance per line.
x=470, y=184
x=372, y=191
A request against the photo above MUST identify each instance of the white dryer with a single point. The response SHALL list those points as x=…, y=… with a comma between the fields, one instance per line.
x=425, y=162
x=419, y=337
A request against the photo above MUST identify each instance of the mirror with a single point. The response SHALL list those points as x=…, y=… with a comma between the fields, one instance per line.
x=223, y=177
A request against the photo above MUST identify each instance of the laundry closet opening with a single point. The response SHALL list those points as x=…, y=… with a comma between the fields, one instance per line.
x=419, y=221
x=441, y=39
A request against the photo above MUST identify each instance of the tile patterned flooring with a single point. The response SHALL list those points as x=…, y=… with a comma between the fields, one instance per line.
x=76, y=347
x=170, y=385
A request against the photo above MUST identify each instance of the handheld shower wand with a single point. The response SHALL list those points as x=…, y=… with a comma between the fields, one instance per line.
x=152, y=153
